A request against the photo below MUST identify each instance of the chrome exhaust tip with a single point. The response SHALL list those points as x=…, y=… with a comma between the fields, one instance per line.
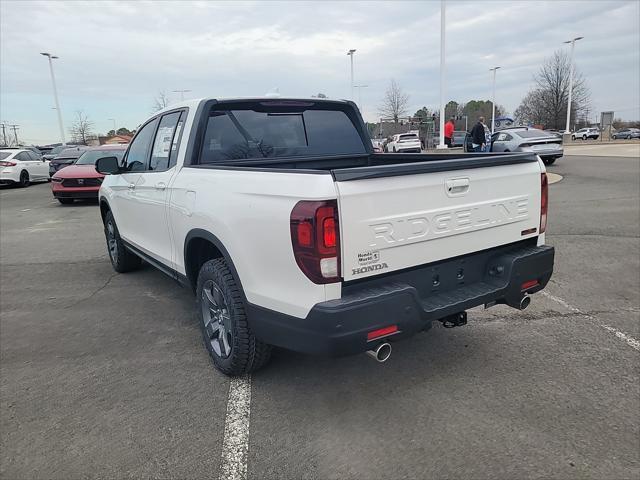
x=381, y=353
x=524, y=302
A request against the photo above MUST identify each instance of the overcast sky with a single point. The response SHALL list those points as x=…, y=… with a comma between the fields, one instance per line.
x=115, y=57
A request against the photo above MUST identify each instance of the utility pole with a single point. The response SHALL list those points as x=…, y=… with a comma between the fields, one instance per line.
x=15, y=132
x=442, y=73
x=493, y=100
x=573, y=45
x=360, y=87
x=181, y=92
x=350, y=53
x=4, y=135
x=55, y=95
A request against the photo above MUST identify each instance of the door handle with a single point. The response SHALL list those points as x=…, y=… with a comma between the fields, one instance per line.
x=132, y=186
x=161, y=186
x=457, y=186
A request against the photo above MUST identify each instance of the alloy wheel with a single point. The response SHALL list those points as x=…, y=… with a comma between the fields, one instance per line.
x=112, y=243
x=217, y=319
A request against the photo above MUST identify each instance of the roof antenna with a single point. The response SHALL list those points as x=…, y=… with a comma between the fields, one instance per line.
x=273, y=93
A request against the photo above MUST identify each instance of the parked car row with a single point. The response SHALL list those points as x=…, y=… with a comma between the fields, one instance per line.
x=70, y=168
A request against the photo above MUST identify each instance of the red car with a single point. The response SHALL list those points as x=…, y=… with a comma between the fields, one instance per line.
x=81, y=180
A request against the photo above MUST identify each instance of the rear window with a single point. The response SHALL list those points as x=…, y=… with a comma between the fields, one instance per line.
x=280, y=131
x=532, y=133
x=4, y=155
x=409, y=137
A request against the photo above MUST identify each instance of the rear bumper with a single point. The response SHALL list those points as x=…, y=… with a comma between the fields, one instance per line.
x=410, y=299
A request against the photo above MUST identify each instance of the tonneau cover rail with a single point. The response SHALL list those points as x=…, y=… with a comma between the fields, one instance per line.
x=436, y=163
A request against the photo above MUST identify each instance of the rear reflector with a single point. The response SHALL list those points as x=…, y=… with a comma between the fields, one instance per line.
x=529, y=284
x=382, y=332
x=544, y=202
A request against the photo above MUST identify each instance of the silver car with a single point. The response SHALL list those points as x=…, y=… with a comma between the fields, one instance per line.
x=524, y=139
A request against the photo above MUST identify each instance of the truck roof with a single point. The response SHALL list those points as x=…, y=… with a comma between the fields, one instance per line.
x=193, y=103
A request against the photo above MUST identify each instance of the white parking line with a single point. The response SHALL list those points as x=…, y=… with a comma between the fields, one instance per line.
x=632, y=342
x=235, y=445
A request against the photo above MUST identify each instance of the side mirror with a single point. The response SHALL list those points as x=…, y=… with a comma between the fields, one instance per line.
x=108, y=165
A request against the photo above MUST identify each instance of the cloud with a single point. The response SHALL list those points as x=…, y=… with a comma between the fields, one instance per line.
x=115, y=56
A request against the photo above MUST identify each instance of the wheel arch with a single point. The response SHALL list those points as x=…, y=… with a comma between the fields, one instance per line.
x=104, y=208
x=201, y=246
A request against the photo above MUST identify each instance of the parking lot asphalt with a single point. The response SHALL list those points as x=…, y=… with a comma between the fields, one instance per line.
x=104, y=375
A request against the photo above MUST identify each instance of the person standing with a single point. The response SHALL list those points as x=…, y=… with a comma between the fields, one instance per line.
x=478, y=140
x=449, y=127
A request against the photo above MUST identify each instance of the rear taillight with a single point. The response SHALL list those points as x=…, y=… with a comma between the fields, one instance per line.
x=8, y=164
x=544, y=201
x=315, y=237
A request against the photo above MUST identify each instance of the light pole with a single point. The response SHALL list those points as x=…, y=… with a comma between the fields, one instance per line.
x=573, y=45
x=55, y=95
x=350, y=53
x=442, y=50
x=114, y=125
x=493, y=100
x=181, y=92
x=360, y=87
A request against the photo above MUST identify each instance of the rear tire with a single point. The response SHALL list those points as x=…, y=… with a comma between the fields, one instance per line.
x=573, y=137
x=122, y=260
x=548, y=161
x=223, y=322
x=584, y=137
x=24, y=179
x=66, y=201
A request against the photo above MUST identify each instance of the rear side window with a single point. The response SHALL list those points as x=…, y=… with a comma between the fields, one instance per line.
x=23, y=157
x=245, y=134
x=163, y=145
x=138, y=155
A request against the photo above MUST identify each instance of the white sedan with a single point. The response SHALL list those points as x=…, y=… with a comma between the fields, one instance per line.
x=22, y=166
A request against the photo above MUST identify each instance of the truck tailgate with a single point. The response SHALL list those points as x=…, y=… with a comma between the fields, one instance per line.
x=394, y=222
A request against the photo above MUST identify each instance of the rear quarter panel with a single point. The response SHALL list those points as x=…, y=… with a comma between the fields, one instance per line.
x=248, y=211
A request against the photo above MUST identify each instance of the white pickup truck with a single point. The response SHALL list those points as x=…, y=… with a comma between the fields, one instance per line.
x=293, y=233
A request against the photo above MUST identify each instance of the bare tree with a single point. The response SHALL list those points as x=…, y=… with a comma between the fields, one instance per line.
x=82, y=128
x=395, y=102
x=546, y=103
x=160, y=101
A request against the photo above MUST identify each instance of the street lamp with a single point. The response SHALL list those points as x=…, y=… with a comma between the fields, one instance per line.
x=114, y=125
x=350, y=53
x=493, y=100
x=442, y=73
x=573, y=45
x=55, y=94
x=181, y=92
x=360, y=87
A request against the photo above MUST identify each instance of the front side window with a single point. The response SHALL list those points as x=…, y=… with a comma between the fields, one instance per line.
x=138, y=155
x=163, y=144
x=284, y=132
